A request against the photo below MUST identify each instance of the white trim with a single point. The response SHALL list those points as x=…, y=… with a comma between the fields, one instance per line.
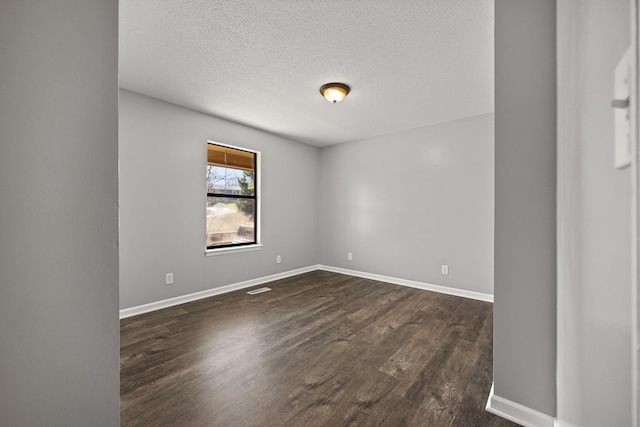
x=516, y=412
x=153, y=306
x=258, y=199
x=233, y=250
x=146, y=308
x=568, y=189
x=635, y=213
x=412, y=284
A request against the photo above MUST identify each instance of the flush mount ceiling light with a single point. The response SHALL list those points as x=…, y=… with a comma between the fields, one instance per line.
x=334, y=92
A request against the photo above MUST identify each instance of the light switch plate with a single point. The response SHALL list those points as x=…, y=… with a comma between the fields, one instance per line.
x=621, y=92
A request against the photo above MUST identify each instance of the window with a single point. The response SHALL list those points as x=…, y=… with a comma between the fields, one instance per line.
x=232, y=202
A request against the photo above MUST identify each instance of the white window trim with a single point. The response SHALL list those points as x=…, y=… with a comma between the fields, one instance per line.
x=258, y=245
x=233, y=249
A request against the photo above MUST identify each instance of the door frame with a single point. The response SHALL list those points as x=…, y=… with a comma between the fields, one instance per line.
x=635, y=214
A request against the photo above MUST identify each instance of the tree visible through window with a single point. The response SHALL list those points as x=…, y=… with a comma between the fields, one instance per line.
x=231, y=196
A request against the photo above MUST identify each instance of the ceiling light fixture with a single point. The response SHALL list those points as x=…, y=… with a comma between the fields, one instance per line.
x=334, y=92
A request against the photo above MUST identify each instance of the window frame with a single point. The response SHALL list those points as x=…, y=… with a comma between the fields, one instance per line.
x=247, y=246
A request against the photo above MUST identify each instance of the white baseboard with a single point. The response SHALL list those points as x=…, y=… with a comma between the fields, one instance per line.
x=146, y=308
x=412, y=284
x=516, y=412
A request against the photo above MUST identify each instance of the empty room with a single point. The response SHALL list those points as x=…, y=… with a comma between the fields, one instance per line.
x=319, y=213
x=236, y=174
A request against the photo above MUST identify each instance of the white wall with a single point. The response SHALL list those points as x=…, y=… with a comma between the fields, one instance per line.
x=406, y=203
x=594, y=294
x=436, y=206
x=59, y=355
x=162, y=199
x=525, y=204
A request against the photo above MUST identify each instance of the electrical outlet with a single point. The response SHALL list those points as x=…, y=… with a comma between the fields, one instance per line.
x=168, y=279
x=445, y=269
x=278, y=259
x=350, y=256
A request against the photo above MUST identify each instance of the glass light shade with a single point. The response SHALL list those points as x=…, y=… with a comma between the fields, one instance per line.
x=334, y=92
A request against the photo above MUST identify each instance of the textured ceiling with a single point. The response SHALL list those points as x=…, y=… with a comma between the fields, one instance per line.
x=409, y=63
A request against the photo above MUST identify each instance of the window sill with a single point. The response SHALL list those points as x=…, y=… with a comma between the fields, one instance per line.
x=233, y=250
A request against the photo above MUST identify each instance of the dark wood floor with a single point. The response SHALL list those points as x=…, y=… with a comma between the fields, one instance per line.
x=320, y=349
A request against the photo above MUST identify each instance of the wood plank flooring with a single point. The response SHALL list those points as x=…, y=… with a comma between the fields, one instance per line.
x=320, y=349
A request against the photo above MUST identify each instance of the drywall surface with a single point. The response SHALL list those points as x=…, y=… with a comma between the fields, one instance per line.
x=525, y=204
x=163, y=195
x=406, y=203
x=59, y=335
x=409, y=62
x=594, y=288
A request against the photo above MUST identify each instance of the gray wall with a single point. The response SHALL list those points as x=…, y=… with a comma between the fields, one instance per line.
x=59, y=355
x=162, y=196
x=406, y=203
x=525, y=194
x=594, y=294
